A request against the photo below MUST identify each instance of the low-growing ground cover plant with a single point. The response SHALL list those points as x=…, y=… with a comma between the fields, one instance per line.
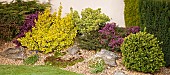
x=31, y=60
x=141, y=52
x=97, y=65
x=58, y=62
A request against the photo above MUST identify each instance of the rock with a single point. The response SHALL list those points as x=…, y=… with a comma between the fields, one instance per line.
x=108, y=57
x=14, y=53
x=73, y=50
x=119, y=73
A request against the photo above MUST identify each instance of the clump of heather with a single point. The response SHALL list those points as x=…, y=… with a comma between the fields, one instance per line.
x=113, y=36
x=133, y=30
x=27, y=26
x=109, y=36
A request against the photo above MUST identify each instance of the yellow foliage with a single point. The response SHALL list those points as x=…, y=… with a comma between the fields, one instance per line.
x=51, y=32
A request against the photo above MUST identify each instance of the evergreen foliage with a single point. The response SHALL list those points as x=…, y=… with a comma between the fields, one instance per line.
x=13, y=14
x=90, y=20
x=131, y=13
x=155, y=16
x=109, y=37
x=141, y=52
x=89, y=41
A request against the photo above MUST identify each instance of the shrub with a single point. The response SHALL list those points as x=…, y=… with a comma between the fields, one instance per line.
x=131, y=13
x=29, y=23
x=155, y=16
x=90, y=20
x=13, y=14
x=109, y=37
x=89, y=41
x=141, y=52
x=51, y=32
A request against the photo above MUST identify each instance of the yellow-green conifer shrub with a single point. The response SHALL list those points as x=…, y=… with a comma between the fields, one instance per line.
x=131, y=13
x=141, y=52
x=51, y=32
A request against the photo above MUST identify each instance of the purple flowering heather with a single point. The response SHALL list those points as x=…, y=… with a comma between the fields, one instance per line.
x=110, y=35
x=108, y=29
x=27, y=26
x=133, y=30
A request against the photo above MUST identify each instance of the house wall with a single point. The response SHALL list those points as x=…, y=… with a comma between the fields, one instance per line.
x=113, y=8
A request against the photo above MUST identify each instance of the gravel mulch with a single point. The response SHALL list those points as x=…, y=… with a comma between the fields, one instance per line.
x=81, y=67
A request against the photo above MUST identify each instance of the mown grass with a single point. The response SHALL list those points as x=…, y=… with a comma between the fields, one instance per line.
x=32, y=70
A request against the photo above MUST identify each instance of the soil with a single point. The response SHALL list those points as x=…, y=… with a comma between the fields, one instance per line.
x=81, y=67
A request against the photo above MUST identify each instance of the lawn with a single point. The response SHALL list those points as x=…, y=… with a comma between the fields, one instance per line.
x=33, y=70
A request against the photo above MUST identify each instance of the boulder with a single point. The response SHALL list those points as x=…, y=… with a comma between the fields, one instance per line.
x=73, y=49
x=14, y=53
x=108, y=57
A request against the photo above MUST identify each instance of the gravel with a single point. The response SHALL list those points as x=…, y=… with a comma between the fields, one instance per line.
x=81, y=67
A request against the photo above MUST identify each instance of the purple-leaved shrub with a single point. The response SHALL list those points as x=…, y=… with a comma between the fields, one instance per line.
x=27, y=26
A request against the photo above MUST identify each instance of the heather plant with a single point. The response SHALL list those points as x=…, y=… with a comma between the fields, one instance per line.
x=90, y=20
x=51, y=32
x=29, y=23
x=141, y=52
x=109, y=37
x=133, y=30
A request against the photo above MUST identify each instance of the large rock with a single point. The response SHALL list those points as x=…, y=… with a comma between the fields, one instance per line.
x=108, y=57
x=14, y=53
x=73, y=49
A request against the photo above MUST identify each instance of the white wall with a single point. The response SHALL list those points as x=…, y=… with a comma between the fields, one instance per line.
x=113, y=8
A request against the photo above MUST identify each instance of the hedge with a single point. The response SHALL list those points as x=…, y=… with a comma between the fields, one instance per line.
x=131, y=13
x=155, y=16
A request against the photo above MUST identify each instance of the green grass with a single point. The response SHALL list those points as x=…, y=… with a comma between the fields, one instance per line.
x=33, y=70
